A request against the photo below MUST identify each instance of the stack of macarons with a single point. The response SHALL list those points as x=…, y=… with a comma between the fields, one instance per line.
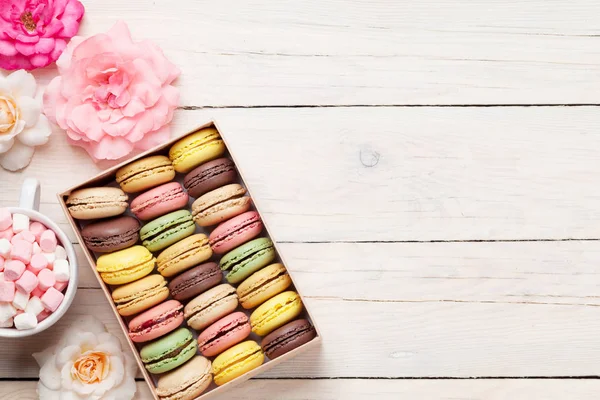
x=188, y=270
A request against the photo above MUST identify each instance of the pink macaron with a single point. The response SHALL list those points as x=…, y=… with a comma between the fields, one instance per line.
x=223, y=334
x=159, y=201
x=236, y=231
x=156, y=322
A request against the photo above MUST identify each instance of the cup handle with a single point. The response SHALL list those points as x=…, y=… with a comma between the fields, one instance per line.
x=30, y=194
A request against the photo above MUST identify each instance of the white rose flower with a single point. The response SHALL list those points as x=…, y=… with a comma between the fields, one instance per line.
x=22, y=124
x=87, y=363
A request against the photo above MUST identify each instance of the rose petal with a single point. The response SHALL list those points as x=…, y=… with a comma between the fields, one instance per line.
x=67, y=354
x=50, y=375
x=45, y=45
x=117, y=369
x=109, y=344
x=120, y=128
x=6, y=144
x=46, y=393
x=30, y=109
x=68, y=396
x=112, y=148
x=7, y=48
x=27, y=49
x=83, y=389
x=134, y=107
x=66, y=382
x=40, y=60
x=152, y=139
x=44, y=356
x=51, y=98
x=38, y=134
x=22, y=83
x=59, y=47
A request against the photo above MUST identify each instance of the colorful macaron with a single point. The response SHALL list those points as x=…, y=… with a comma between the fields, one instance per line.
x=126, y=265
x=236, y=231
x=187, y=382
x=169, y=352
x=262, y=285
x=248, y=258
x=166, y=230
x=159, y=201
x=287, y=338
x=140, y=295
x=210, y=306
x=276, y=312
x=98, y=202
x=145, y=173
x=237, y=361
x=223, y=334
x=156, y=322
x=220, y=204
x=196, y=148
x=183, y=255
x=108, y=235
x=209, y=176
x=195, y=281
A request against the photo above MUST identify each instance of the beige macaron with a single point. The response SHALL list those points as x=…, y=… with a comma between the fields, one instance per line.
x=220, y=204
x=145, y=173
x=186, y=382
x=97, y=202
x=140, y=295
x=262, y=285
x=210, y=306
x=184, y=255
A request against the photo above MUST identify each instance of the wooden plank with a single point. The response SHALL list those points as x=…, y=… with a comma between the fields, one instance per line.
x=339, y=52
x=481, y=389
x=393, y=174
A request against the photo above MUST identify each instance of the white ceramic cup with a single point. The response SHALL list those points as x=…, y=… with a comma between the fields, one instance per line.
x=29, y=204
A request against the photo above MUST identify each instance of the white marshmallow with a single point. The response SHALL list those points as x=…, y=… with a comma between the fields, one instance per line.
x=61, y=271
x=7, y=324
x=5, y=247
x=2, y=277
x=36, y=248
x=25, y=321
x=34, y=306
x=21, y=299
x=20, y=223
x=60, y=253
x=50, y=257
x=6, y=311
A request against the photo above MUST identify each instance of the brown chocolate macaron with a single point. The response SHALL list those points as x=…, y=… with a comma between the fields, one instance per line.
x=111, y=234
x=209, y=176
x=288, y=337
x=195, y=281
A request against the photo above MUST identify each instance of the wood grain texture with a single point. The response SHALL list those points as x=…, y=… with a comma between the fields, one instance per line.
x=488, y=389
x=337, y=52
x=393, y=174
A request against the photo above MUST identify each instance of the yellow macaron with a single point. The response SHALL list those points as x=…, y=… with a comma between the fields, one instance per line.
x=237, y=361
x=276, y=312
x=125, y=266
x=145, y=173
x=196, y=148
x=140, y=295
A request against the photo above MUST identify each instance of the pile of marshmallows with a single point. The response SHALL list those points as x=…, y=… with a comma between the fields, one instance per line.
x=34, y=271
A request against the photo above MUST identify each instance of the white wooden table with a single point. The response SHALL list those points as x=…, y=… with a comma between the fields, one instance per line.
x=430, y=167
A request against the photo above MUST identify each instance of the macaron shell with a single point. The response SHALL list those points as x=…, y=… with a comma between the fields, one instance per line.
x=125, y=266
x=276, y=312
x=167, y=230
x=223, y=334
x=183, y=255
x=247, y=259
x=263, y=285
x=210, y=176
x=236, y=231
x=152, y=353
x=159, y=201
x=112, y=234
x=210, y=306
x=140, y=295
x=187, y=381
x=96, y=203
x=237, y=361
x=195, y=149
x=145, y=173
x=220, y=204
x=287, y=338
x=195, y=281
x=170, y=311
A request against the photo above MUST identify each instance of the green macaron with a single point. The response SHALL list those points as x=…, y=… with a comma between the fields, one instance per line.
x=166, y=230
x=169, y=352
x=248, y=258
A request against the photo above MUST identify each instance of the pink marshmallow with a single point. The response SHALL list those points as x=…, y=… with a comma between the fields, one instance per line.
x=43, y=315
x=28, y=236
x=7, y=291
x=37, y=228
x=48, y=241
x=13, y=269
x=38, y=262
x=52, y=299
x=21, y=250
x=27, y=282
x=7, y=233
x=61, y=286
x=37, y=292
x=17, y=237
x=2, y=263
x=46, y=279
x=5, y=219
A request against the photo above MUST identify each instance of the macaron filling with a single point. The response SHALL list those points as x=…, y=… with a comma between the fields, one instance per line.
x=232, y=364
x=127, y=270
x=140, y=296
x=220, y=203
x=263, y=285
x=96, y=242
x=153, y=323
x=193, y=282
x=274, y=312
x=144, y=172
x=195, y=146
x=168, y=230
x=211, y=304
x=283, y=340
x=209, y=173
x=233, y=232
x=225, y=331
x=175, y=352
x=168, y=196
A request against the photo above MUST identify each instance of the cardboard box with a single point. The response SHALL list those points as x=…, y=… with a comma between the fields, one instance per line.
x=107, y=178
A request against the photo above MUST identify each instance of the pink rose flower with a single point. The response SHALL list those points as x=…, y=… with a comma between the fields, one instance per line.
x=113, y=95
x=34, y=33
